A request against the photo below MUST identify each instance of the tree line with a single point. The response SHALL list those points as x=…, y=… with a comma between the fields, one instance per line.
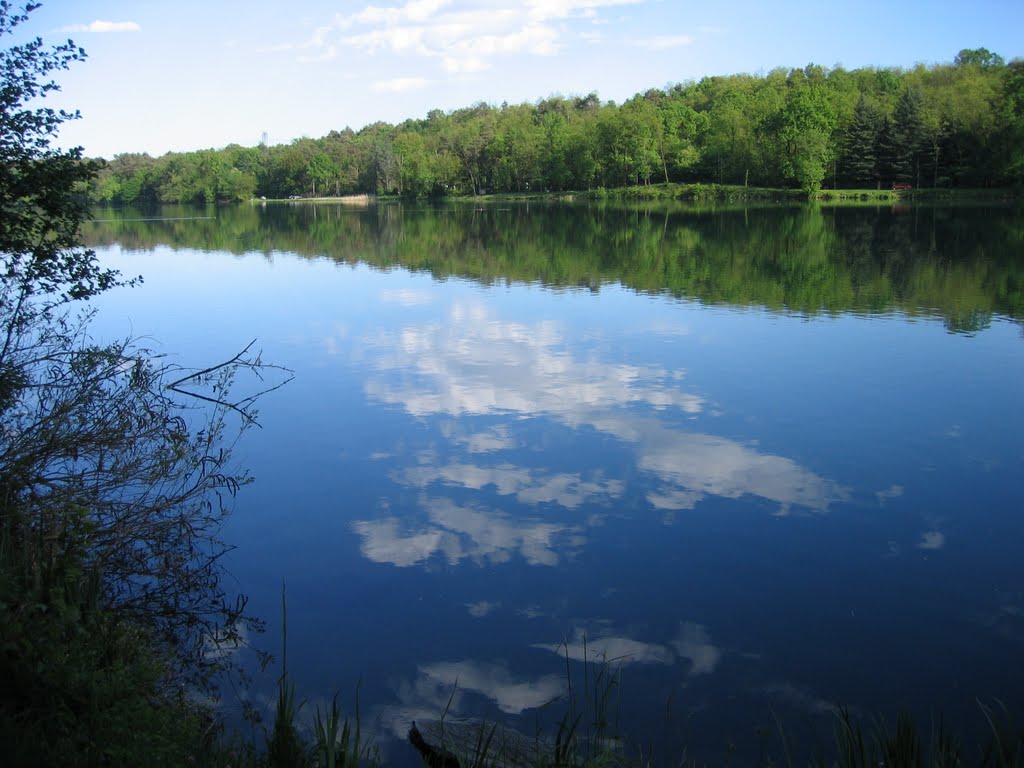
x=959, y=124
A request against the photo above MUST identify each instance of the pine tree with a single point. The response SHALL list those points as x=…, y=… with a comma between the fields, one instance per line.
x=859, y=164
x=900, y=147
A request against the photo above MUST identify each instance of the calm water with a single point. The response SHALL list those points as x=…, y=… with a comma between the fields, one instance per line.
x=758, y=457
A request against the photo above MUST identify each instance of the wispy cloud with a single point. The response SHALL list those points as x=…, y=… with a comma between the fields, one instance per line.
x=892, y=492
x=460, y=532
x=512, y=694
x=400, y=84
x=412, y=11
x=277, y=48
x=463, y=37
x=481, y=608
x=692, y=643
x=663, y=42
x=406, y=297
x=325, y=54
x=103, y=26
x=479, y=365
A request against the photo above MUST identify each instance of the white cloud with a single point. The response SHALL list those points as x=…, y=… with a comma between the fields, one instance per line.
x=415, y=10
x=400, y=84
x=277, y=48
x=481, y=608
x=692, y=643
x=614, y=650
x=494, y=439
x=548, y=10
x=395, y=39
x=103, y=26
x=716, y=466
x=464, y=38
x=932, y=540
x=326, y=54
x=446, y=686
x=801, y=697
x=892, y=492
x=477, y=365
x=461, y=532
x=512, y=695
x=406, y=297
x=568, y=490
x=663, y=42
x=385, y=542
x=465, y=65
x=673, y=498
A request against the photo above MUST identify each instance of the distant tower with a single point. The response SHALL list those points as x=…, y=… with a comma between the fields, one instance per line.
x=263, y=139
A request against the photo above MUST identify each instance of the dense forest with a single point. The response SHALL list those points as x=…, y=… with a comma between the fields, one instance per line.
x=947, y=125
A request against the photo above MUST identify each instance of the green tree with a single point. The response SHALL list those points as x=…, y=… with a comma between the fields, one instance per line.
x=682, y=128
x=39, y=253
x=1012, y=134
x=471, y=133
x=415, y=165
x=859, y=161
x=516, y=149
x=730, y=137
x=979, y=57
x=944, y=124
x=110, y=499
x=321, y=170
x=381, y=166
x=805, y=127
x=901, y=145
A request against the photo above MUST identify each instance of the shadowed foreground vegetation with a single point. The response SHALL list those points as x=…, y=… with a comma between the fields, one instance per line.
x=586, y=737
x=115, y=478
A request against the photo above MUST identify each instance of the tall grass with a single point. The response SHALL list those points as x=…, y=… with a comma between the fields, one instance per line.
x=338, y=742
x=903, y=746
x=584, y=738
x=586, y=734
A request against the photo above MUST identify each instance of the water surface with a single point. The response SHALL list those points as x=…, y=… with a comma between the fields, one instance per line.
x=757, y=457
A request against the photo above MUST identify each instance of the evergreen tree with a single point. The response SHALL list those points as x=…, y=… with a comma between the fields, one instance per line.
x=900, y=146
x=859, y=157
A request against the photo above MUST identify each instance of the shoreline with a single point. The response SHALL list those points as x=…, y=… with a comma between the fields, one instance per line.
x=697, y=193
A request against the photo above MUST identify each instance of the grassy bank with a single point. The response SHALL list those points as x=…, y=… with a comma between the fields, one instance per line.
x=707, y=193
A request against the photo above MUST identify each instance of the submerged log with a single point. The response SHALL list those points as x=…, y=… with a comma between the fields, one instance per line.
x=478, y=742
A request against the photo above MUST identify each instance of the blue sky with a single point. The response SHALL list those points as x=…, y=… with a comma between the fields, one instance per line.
x=171, y=76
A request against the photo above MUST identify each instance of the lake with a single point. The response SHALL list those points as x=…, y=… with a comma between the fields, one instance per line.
x=756, y=460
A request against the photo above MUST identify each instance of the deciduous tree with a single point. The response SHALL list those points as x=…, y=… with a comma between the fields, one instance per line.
x=114, y=465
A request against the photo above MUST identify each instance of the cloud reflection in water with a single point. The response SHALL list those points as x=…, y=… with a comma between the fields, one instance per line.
x=477, y=365
x=465, y=532
x=692, y=642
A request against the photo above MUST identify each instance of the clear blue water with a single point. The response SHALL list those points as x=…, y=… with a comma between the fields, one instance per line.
x=745, y=497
